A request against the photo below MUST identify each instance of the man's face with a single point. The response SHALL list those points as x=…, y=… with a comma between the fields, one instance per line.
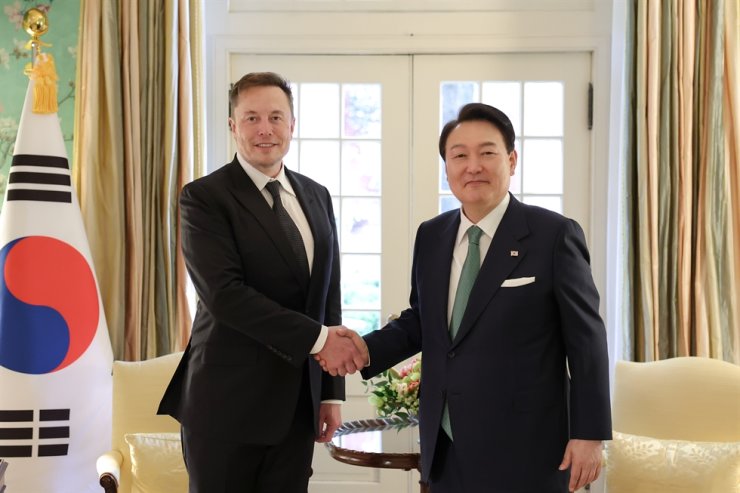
x=478, y=167
x=262, y=126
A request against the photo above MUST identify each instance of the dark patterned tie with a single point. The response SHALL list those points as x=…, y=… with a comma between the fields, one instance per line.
x=291, y=230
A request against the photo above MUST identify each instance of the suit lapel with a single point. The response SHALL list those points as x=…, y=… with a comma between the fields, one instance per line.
x=497, y=266
x=247, y=194
x=437, y=297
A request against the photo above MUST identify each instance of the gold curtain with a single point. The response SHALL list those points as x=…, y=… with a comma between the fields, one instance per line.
x=685, y=221
x=138, y=140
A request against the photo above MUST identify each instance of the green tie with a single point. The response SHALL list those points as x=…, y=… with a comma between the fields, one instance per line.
x=464, y=286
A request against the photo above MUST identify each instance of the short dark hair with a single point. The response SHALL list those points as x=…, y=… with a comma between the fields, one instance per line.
x=260, y=79
x=480, y=112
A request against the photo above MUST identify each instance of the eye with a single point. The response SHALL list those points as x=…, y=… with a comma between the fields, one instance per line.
x=277, y=118
x=250, y=118
x=459, y=155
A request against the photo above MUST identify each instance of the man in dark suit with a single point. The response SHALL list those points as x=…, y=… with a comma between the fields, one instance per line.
x=260, y=244
x=515, y=390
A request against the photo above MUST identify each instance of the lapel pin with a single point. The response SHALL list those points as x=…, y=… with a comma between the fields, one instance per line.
x=515, y=253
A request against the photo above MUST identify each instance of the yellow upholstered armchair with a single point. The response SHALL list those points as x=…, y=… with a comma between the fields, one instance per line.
x=146, y=454
x=676, y=427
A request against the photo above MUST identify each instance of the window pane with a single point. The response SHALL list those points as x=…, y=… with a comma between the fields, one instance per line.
x=506, y=96
x=291, y=159
x=319, y=159
x=336, y=205
x=536, y=108
x=361, y=225
x=543, y=109
x=296, y=108
x=363, y=322
x=361, y=281
x=542, y=166
x=361, y=111
x=515, y=186
x=444, y=185
x=319, y=111
x=454, y=95
x=552, y=203
x=361, y=164
x=448, y=203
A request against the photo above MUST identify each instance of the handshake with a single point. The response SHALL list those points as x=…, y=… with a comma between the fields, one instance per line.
x=344, y=352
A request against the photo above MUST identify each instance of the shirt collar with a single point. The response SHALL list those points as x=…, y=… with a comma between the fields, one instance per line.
x=489, y=224
x=260, y=179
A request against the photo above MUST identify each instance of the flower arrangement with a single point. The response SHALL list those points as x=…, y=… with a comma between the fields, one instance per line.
x=396, y=392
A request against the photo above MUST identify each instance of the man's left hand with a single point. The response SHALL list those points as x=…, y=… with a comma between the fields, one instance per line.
x=330, y=417
x=584, y=459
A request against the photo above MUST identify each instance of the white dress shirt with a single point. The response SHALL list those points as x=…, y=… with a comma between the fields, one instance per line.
x=489, y=225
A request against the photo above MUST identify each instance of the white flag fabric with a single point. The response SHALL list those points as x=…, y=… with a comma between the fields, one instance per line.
x=55, y=352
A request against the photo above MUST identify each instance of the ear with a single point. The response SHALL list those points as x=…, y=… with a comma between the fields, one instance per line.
x=232, y=125
x=512, y=162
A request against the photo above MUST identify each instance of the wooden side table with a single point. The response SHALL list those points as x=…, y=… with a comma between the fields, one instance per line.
x=372, y=457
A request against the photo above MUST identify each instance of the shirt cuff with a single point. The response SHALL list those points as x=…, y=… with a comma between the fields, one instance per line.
x=332, y=401
x=321, y=340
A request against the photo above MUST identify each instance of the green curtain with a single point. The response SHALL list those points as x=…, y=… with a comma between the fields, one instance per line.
x=684, y=213
x=138, y=141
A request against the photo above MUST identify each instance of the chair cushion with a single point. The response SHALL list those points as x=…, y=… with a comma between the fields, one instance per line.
x=157, y=465
x=639, y=464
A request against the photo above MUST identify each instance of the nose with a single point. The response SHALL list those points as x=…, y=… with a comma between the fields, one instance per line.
x=265, y=128
x=474, y=165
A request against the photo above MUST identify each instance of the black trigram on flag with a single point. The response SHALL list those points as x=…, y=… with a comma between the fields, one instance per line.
x=39, y=178
x=20, y=436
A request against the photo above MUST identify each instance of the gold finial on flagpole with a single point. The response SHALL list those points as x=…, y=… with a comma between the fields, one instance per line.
x=41, y=69
x=36, y=24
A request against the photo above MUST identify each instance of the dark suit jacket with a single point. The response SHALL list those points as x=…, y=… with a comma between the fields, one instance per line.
x=258, y=316
x=512, y=406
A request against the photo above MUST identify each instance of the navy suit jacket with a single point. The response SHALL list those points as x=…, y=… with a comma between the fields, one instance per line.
x=513, y=405
x=258, y=313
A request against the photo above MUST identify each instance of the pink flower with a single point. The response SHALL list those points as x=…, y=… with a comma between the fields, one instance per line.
x=14, y=12
x=396, y=392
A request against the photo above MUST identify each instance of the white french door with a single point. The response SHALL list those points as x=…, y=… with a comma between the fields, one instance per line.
x=367, y=128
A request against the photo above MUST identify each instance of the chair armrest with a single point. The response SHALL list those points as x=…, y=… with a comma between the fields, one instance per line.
x=109, y=470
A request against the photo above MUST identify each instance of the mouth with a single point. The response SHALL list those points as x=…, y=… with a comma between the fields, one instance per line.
x=266, y=145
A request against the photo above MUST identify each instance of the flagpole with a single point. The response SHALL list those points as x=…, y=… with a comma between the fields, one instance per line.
x=41, y=69
x=36, y=24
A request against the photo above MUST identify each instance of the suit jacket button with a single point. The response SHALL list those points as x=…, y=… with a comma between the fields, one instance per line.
x=451, y=354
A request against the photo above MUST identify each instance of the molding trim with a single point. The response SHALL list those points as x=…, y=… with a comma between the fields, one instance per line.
x=404, y=5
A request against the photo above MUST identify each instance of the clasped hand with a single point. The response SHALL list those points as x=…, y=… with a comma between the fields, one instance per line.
x=344, y=352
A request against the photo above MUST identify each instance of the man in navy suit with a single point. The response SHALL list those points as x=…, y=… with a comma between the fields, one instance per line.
x=515, y=390
x=261, y=248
